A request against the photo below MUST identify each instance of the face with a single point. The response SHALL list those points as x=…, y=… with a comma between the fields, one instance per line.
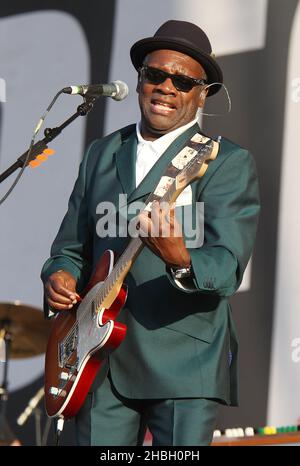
x=163, y=107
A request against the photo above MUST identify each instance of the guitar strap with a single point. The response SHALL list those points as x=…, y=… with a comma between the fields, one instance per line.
x=196, y=145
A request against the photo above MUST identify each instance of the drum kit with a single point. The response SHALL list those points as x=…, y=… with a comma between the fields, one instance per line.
x=23, y=333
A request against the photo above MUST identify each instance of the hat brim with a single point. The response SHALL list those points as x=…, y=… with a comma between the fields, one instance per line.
x=141, y=48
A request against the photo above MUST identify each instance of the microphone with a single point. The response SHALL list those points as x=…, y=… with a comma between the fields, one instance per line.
x=118, y=90
x=30, y=407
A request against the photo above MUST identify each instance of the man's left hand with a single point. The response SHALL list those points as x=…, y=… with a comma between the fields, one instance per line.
x=161, y=232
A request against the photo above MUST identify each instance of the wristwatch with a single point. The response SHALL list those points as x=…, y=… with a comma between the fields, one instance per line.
x=183, y=272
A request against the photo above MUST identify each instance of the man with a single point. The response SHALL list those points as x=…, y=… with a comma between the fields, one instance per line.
x=178, y=361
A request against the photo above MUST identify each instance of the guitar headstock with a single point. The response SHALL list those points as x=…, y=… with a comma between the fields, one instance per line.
x=189, y=164
x=194, y=162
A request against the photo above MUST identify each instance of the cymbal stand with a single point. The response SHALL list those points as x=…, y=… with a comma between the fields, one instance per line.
x=33, y=409
x=5, y=335
x=46, y=431
x=41, y=437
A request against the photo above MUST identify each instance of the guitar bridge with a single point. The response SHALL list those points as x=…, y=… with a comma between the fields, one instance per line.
x=67, y=347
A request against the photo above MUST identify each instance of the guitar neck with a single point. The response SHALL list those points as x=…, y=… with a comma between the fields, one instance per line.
x=115, y=279
x=113, y=282
x=126, y=260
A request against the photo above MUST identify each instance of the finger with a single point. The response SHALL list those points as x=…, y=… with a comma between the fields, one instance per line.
x=167, y=209
x=144, y=224
x=163, y=221
x=59, y=306
x=170, y=218
x=172, y=209
x=73, y=294
x=155, y=211
x=63, y=287
x=157, y=218
x=176, y=226
x=57, y=297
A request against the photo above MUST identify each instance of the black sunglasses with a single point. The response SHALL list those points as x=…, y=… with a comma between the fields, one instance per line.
x=181, y=82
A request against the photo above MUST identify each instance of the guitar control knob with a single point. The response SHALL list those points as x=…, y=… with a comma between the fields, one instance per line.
x=64, y=376
x=54, y=391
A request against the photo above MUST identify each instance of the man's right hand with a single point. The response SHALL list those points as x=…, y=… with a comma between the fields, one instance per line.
x=60, y=291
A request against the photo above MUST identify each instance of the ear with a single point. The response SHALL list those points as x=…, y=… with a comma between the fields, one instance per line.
x=202, y=97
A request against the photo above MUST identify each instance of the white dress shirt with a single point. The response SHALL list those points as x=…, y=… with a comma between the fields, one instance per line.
x=148, y=153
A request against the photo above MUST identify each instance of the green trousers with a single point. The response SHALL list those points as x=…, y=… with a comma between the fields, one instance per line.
x=109, y=419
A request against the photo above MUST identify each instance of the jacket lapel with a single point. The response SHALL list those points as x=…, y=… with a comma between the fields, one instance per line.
x=152, y=178
x=125, y=162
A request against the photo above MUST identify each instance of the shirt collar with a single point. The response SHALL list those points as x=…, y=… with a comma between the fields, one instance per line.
x=160, y=145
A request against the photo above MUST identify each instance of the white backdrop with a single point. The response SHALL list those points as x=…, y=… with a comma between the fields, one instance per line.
x=36, y=63
x=284, y=400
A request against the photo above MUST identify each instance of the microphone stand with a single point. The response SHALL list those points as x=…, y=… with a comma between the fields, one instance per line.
x=37, y=148
x=50, y=134
x=38, y=432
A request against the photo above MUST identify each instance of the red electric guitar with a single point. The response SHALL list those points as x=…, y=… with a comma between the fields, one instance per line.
x=81, y=339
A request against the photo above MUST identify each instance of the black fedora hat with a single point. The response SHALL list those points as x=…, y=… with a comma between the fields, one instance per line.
x=184, y=37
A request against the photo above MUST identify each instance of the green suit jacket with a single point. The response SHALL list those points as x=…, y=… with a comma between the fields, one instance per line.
x=179, y=343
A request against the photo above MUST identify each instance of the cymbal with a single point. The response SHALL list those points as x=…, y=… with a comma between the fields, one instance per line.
x=28, y=328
